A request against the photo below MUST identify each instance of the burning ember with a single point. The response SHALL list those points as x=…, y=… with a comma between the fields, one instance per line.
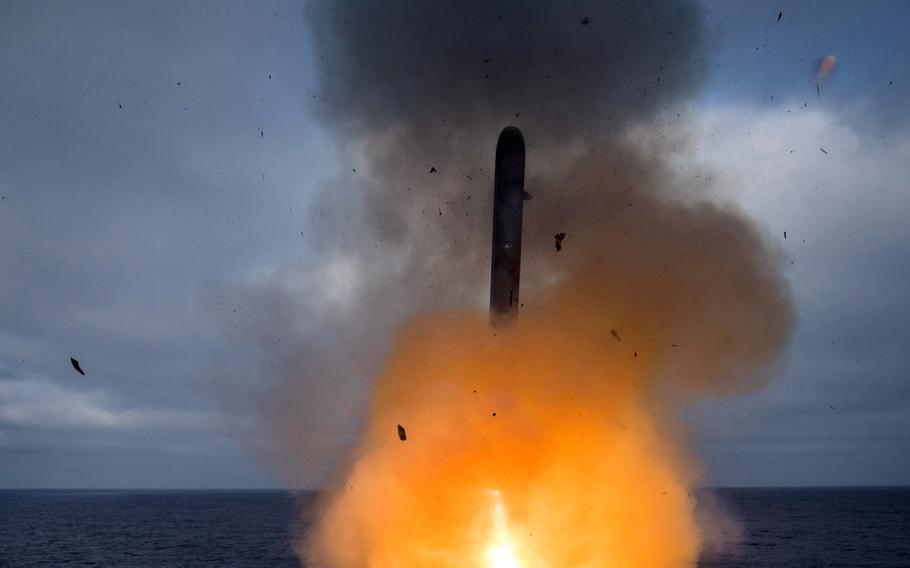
x=826, y=66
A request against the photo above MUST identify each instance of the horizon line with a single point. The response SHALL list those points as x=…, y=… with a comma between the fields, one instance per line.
x=317, y=490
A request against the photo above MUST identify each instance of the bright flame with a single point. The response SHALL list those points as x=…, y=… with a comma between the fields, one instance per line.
x=500, y=553
x=503, y=557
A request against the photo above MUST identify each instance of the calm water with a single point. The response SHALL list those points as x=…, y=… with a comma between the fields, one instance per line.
x=779, y=528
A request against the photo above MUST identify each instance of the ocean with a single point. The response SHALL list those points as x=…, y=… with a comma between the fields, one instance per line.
x=853, y=527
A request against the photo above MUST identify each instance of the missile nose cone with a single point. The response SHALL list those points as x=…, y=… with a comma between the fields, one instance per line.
x=510, y=157
x=512, y=138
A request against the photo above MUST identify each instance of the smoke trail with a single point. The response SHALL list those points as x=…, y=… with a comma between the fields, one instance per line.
x=655, y=296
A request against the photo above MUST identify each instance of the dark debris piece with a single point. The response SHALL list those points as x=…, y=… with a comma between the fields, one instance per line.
x=616, y=335
x=586, y=21
x=785, y=235
x=76, y=366
x=402, y=435
x=558, y=237
x=824, y=151
x=432, y=170
x=780, y=15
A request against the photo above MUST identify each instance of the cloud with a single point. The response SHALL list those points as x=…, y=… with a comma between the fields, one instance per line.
x=843, y=394
x=46, y=405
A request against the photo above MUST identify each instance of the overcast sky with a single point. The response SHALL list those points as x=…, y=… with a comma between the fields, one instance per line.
x=154, y=154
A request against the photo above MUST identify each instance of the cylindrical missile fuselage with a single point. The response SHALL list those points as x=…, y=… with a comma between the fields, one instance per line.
x=508, y=204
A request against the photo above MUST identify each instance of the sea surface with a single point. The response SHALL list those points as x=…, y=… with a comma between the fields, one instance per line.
x=764, y=528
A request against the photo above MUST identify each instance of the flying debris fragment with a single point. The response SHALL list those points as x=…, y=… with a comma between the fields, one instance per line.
x=616, y=335
x=402, y=435
x=76, y=366
x=780, y=15
x=558, y=237
x=432, y=170
x=585, y=21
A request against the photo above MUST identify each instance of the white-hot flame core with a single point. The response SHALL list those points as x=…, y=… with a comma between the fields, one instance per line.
x=500, y=553
x=503, y=557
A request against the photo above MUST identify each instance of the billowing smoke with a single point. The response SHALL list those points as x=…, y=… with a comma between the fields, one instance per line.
x=554, y=441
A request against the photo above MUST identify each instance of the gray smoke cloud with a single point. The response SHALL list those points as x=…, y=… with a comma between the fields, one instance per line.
x=570, y=69
x=417, y=93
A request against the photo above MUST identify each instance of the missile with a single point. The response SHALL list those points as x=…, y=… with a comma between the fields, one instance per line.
x=508, y=203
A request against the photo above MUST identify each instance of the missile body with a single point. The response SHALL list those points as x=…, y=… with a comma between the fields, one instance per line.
x=508, y=203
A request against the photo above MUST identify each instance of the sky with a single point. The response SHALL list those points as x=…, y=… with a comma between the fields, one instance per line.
x=157, y=157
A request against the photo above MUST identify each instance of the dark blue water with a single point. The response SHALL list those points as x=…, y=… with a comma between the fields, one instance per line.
x=778, y=528
x=817, y=527
x=148, y=528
